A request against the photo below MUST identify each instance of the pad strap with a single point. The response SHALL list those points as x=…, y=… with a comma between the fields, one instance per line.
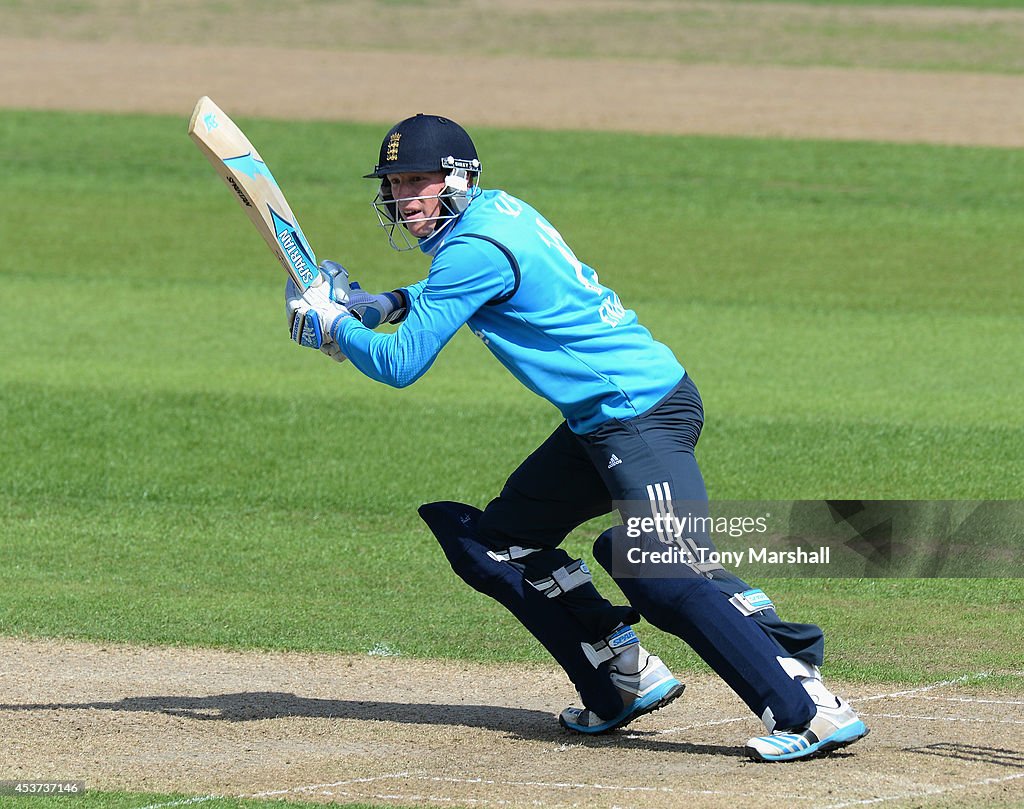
x=752, y=601
x=564, y=579
x=511, y=554
x=612, y=646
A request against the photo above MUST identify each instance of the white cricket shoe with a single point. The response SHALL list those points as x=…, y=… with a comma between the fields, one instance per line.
x=647, y=689
x=832, y=727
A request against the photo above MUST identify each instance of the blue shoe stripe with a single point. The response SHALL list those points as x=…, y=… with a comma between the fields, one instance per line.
x=788, y=743
x=849, y=733
x=776, y=741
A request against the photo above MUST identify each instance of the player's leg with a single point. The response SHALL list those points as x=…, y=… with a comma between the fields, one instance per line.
x=662, y=476
x=605, y=633
x=727, y=623
x=510, y=553
x=494, y=572
x=801, y=645
x=553, y=491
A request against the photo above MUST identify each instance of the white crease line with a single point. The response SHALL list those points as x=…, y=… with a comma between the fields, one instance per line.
x=446, y=799
x=316, y=787
x=272, y=793
x=945, y=718
x=362, y=796
x=973, y=699
x=924, y=793
x=966, y=678
x=558, y=785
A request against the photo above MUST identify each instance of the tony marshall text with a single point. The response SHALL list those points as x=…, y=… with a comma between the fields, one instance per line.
x=703, y=556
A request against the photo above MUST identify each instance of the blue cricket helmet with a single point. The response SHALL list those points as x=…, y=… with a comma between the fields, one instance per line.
x=425, y=143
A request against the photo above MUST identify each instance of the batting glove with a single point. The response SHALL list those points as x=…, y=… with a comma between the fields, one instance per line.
x=313, y=316
x=336, y=277
x=372, y=310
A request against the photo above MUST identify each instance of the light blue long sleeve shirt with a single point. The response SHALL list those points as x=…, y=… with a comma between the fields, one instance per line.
x=504, y=271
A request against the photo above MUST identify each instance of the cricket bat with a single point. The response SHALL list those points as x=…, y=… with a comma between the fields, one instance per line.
x=238, y=163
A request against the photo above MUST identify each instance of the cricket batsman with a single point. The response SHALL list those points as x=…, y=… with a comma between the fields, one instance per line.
x=631, y=420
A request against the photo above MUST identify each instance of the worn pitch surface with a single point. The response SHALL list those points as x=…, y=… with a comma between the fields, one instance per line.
x=390, y=730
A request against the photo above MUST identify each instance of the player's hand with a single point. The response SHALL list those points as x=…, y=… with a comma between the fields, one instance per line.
x=313, y=316
x=372, y=310
x=336, y=277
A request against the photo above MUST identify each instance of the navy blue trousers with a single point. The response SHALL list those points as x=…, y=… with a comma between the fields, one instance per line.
x=636, y=467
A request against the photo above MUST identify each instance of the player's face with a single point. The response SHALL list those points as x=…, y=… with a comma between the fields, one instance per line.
x=416, y=195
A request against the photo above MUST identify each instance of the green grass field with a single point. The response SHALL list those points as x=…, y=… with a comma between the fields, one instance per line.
x=932, y=35
x=177, y=472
